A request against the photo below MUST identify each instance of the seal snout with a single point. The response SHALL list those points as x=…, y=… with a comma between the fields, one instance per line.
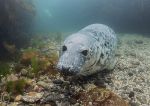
x=65, y=69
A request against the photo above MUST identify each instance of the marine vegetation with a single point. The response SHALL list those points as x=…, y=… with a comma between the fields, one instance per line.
x=4, y=69
x=27, y=55
x=100, y=97
x=16, y=87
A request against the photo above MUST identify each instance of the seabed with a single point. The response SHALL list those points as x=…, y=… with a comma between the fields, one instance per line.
x=32, y=79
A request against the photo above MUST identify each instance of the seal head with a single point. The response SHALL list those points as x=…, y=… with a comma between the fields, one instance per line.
x=88, y=51
x=75, y=53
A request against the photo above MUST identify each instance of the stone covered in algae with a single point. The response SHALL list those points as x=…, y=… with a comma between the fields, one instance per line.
x=99, y=97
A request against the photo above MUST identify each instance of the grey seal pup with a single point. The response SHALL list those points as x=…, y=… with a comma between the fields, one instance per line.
x=88, y=51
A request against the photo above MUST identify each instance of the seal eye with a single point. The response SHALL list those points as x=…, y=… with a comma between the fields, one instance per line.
x=64, y=48
x=85, y=52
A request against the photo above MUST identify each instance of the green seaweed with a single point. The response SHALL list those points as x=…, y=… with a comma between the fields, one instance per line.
x=35, y=65
x=4, y=70
x=16, y=87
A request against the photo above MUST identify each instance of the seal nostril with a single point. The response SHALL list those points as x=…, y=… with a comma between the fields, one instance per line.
x=65, y=69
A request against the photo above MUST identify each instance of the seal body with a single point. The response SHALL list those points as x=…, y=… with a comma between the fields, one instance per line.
x=88, y=51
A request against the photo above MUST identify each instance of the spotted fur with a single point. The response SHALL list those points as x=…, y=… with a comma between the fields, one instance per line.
x=100, y=42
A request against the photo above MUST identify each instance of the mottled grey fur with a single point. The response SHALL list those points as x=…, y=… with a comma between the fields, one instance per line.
x=99, y=41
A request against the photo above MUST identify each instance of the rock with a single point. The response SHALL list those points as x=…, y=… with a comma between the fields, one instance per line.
x=3, y=81
x=142, y=99
x=32, y=97
x=138, y=41
x=131, y=94
x=72, y=101
x=130, y=74
x=66, y=103
x=52, y=97
x=100, y=97
x=3, y=104
x=18, y=98
x=90, y=104
x=89, y=86
x=58, y=81
x=132, y=54
x=45, y=85
x=12, y=104
x=135, y=62
x=24, y=72
x=132, y=103
x=100, y=83
x=124, y=96
x=12, y=77
x=47, y=105
x=77, y=104
x=31, y=82
x=38, y=88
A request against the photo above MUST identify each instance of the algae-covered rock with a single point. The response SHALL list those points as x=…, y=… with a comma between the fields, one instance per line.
x=18, y=98
x=100, y=97
x=32, y=97
x=12, y=77
x=45, y=85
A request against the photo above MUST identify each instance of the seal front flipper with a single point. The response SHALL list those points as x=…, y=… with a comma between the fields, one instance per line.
x=112, y=64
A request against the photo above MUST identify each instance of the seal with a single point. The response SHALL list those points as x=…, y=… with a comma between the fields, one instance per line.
x=88, y=51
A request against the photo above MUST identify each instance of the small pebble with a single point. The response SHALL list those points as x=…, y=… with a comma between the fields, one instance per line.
x=100, y=83
x=72, y=101
x=66, y=103
x=131, y=94
x=90, y=104
x=133, y=104
x=18, y=98
x=130, y=74
x=77, y=104
x=138, y=41
x=24, y=72
x=58, y=81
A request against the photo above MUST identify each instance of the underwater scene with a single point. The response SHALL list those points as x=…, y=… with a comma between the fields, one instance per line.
x=74, y=53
